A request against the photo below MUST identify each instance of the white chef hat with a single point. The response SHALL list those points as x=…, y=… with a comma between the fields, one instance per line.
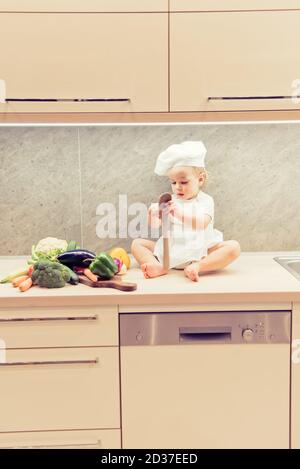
x=182, y=154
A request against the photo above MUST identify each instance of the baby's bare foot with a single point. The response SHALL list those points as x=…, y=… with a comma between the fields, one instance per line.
x=192, y=271
x=151, y=270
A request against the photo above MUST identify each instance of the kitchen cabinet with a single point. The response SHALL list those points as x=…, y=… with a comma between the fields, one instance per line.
x=234, y=61
x=58, y=389
x=295, y=382
x=228, y=5
x=59, y=327
x=132, y=61
x=109, y=62
x=60, y=372
x=87, y=5
x=256, y=390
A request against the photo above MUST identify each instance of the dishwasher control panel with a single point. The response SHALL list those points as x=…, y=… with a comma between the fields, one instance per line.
x=230, y=327
x=255, y=331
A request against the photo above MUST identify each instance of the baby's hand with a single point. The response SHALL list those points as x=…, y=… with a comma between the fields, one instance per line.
x=174, y=210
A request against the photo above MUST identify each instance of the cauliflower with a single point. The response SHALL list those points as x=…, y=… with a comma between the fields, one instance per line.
x=48, y=248
x=47, y=245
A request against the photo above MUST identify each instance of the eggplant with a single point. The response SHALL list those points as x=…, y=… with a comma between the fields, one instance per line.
x=76, y=258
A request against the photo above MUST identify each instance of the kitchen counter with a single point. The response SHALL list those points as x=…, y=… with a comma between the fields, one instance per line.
x=253, y=277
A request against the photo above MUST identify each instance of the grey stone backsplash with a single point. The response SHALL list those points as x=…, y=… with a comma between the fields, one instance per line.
x=53, y=179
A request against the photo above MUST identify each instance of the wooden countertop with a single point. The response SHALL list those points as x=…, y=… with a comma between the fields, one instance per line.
x=253, y=278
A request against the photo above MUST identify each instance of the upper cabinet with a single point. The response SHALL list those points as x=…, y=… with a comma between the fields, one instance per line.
x=86, y=5
x=85, y=60
x=234, y=61
x=229, y=5
x=110, y=62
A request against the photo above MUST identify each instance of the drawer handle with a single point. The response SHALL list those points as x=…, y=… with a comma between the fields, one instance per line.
x=66, y=100
x=63, y=318
x=98, y=444
x=232, y=98
x=52, y=362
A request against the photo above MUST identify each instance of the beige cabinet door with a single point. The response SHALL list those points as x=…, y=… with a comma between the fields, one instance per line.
x=79, y=439
x=205, y=396
x=86, y=5
x=71, y=61
x=59, y=327
x=227, y=5
x=234, y=61
x=60, y=389
x=295, y=407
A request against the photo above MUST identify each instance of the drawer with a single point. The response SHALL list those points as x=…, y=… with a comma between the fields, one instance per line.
x=229, y=5
x=60, y=389
x=81, y=439
x=87, y=5
x=238, y=61
x=95, y=62
x=59, y=327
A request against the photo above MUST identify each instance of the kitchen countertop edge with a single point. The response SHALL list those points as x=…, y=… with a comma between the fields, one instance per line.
x=153, y=299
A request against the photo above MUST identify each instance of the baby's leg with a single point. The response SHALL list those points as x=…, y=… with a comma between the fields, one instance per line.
x=142, y=249
x=218, y=257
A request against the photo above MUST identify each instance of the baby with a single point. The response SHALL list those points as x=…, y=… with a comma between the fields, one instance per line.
x=194, y=244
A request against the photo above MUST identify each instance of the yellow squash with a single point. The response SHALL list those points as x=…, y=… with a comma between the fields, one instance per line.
x=120, y=253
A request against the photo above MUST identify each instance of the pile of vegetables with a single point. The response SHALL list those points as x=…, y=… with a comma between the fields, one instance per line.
x=103, y=265
x=55, y=262
x=44, y=257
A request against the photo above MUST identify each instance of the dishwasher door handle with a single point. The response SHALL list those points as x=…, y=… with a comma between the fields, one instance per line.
x=204, y=334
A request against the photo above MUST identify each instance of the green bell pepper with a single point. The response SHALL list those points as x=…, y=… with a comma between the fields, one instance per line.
x=104, y=266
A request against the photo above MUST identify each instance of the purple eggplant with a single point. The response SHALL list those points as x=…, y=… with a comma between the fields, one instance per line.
x=77, y=257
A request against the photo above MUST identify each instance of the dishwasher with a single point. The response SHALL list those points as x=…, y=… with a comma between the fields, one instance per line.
x=205, y=379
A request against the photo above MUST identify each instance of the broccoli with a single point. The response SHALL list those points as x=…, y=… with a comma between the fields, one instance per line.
x=50, y=274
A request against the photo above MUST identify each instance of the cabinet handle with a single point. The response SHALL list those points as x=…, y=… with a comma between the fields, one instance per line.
x=65, y=100
x=63, y=318
x=98, y=443
x=233, y=98
x=52, y=362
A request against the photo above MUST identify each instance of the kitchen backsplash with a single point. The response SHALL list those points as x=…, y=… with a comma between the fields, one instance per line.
x=54, y=178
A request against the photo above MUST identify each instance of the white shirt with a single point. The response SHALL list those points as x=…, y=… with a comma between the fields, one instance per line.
x=186, y=244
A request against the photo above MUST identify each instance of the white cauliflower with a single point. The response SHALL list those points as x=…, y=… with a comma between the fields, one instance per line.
x=48, y=248
x=47, y=245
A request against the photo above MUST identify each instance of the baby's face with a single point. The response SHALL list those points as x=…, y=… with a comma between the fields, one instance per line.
x=185, y=182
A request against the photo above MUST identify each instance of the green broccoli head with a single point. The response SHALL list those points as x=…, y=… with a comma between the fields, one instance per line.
x=50, y=274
